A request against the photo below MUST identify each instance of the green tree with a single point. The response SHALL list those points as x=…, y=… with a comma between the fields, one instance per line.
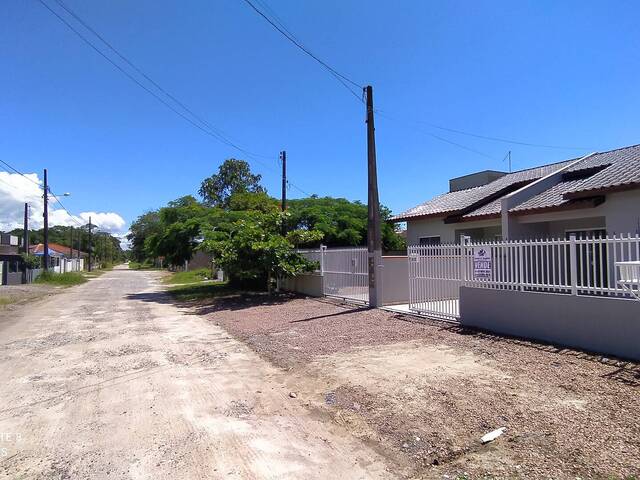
x=144, y=227
x=252, y=251
x=234, y=176
x=343, y=223
x=180, y=224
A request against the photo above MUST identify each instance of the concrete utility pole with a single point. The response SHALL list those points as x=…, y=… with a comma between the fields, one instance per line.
x=283, y=158
x=46, y=222
x=89, y=246
x=25, y=232
x=374, y=243
x=71, y=246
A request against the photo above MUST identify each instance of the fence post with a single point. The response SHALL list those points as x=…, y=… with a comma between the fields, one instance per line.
x=520, y=266
x=573, y=263
x=323, y=249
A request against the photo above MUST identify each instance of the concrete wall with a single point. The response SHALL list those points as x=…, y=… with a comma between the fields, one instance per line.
x=599, y=324
x=448, y=232
x=306, y=284
x=395, y=280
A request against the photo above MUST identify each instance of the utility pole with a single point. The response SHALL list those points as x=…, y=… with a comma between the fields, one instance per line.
x=89, y=246
x=25, y=232
x=374, y=244
x=283, y=158
x=71, y=245
x=46, y=222
x=509, y=161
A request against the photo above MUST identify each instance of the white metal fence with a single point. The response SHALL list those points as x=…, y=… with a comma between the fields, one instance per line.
x=578, y=266
x=345, y=271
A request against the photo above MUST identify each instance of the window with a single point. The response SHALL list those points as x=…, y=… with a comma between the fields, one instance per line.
x=429, y=241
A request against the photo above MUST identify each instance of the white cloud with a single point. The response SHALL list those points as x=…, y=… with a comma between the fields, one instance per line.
x=16, y=190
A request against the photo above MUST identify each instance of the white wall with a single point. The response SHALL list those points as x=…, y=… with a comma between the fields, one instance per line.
x=619, y=214
x=429, y=227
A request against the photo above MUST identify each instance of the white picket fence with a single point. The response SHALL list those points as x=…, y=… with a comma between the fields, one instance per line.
x=578, y=266
x=344, y=270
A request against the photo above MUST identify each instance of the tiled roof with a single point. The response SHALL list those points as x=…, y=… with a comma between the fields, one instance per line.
x=452, y=202
x=490, y=209
x=619, y=168
x=55, y=247
x=602, y=159
x=553, y=197
x=623, y=172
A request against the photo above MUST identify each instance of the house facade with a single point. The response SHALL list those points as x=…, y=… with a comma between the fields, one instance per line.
x=590, y=196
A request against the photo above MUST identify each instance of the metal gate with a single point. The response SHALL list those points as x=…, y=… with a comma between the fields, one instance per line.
x=346, y=273
x=436, y=273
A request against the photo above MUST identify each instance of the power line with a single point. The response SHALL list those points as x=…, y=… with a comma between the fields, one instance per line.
x=202, y=128
x=143, y=74
x=498, y=139
x=438, y=137
x=205, y=126
x=343, y=79
x=20, y=173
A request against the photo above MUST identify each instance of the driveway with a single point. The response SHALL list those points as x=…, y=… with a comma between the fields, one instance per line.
x=110, y=380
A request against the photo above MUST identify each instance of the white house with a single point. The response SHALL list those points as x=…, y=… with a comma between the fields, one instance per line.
x=594, y=195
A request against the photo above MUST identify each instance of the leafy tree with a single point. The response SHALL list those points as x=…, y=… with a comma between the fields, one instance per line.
x=180, y=224
x=234, y=176
x=342, y=222
x=144, y=227
x=252, y=250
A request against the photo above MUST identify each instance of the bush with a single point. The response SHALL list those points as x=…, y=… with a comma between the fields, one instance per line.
x=63, y=279
x=31, y=261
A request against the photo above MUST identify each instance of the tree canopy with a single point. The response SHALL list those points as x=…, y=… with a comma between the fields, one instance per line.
x=242, y=226
x=234, y=176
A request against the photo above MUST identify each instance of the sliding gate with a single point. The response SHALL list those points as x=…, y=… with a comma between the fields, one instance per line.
x=345, y=272
x=436, y=274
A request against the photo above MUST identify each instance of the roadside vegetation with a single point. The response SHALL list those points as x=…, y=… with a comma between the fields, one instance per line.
x=192, y=276
x=5, y=301
x=190, y=292
x=244, y=229
x=67, y=279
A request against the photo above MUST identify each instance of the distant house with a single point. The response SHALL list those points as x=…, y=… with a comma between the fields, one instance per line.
x=61, y=258
x=10, y=259
x=594, y=195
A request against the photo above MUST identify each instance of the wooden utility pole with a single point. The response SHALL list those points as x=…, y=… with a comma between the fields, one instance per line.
x=46, y=222
x=374, y=243
x=89, y=246
x=71, y=245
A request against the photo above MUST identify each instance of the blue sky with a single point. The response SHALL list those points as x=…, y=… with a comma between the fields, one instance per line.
x=548, y=72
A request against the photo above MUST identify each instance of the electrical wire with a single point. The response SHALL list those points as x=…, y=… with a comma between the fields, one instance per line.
x=438, y=137
x=343, y=79
x=498, y=139
x=204, y=126
x=20, y=173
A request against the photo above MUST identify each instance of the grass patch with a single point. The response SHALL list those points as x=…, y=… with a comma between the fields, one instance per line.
x=5, y=301
x=142, y=266
x=192, y=276
x=61, y=279
x=192, y=292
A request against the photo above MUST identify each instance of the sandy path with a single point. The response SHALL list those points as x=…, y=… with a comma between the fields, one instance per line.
x=109, y=380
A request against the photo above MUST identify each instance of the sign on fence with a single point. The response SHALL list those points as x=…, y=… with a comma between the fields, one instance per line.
x=481, y=262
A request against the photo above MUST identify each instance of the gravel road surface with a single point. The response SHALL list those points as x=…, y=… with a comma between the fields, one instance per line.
x=110, y=380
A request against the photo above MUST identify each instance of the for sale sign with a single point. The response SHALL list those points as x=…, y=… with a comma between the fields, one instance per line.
x=481, y=262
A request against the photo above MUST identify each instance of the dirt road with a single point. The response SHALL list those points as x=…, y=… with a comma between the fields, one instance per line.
x=110, y=380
